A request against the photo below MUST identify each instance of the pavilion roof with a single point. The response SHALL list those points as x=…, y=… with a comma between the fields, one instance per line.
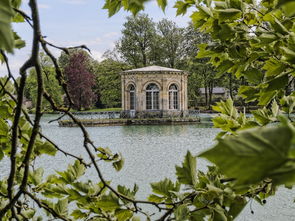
x=153, y=68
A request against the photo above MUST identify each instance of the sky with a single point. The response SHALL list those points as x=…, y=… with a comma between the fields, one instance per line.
x=76, y=22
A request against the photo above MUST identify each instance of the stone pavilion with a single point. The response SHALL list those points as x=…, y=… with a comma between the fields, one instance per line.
x=154, y=91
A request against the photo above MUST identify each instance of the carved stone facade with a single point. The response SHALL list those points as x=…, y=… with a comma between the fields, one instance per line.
x=154, y=90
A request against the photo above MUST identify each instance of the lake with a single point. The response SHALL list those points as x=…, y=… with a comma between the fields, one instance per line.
x=151, y=153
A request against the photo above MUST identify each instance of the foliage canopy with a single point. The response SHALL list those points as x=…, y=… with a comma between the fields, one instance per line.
x=253, y=155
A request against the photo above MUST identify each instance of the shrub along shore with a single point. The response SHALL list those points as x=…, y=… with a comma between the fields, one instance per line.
x=133, y=121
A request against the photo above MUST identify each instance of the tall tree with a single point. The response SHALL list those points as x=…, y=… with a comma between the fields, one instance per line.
x=80, y=80
x=109, y=82
x=51, y=84
x=171, y=37
x=201, y=73
x=136, y=43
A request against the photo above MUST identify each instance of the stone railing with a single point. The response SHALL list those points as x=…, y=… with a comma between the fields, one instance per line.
x=159, y=114
x=136, y=114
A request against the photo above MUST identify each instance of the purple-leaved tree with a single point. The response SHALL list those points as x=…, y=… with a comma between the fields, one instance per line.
x=80, y=80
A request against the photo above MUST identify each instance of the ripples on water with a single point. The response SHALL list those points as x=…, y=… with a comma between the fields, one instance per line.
x=151, y=153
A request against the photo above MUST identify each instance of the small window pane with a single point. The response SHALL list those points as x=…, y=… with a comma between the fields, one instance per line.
x=173, y=97
x=152, y=97
x=132, y=97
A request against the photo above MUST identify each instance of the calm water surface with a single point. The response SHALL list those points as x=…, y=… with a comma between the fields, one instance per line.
x=151, y=153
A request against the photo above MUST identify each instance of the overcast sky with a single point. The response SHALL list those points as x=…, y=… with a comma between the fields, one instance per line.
x=76, y=22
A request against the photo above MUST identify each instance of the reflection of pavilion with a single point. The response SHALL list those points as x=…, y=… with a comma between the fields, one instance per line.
x=154, y=91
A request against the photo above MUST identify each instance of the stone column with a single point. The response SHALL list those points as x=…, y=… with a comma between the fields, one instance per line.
x=185, y=92
x=165, y=95
x=139, y=92
x=182, y=92
x=123, y=91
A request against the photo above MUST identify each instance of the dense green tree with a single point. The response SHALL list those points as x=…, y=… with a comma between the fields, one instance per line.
x=170, y=38
x=135, y=46
x=146, y=43
x=252, y=157
x=51, y=84
x=108, y=82
x=201, y=73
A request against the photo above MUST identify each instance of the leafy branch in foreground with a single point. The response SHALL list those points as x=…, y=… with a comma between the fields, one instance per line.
x=253, y=154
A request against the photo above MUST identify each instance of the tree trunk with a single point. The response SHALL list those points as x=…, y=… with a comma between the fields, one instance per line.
x=211, y=85
x=206, y=95
x=230, y=86
x=143, y=58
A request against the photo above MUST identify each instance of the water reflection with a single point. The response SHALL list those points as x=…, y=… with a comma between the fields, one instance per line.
x=151, y=153
x=154, y=130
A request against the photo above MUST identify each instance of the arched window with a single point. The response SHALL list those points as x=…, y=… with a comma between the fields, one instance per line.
x=152, y=97
x=173, y=97
x=132, y=97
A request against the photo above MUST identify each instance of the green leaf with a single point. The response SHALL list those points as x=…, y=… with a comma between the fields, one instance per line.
x=162, y=4
x=1, y=155
x=113, y=7
x=155, y=198
x=266, y=97
x=6, y=33
x=224, y=67
x=118, y=165
x=4, y=111
x=273, y=67
x=36, y=176
x=187, y=174
x=262, y=116
x=205, y=10
x=200, y=215
x=253, y=154
x=123, y=214
x=228, y=14
x=288, y=104
x=78, y=214
x=181, y=7
x=18, y=18
x=46, y=148
x=288, y=7
x=78, y=169
x=108, y=202
x=219, y=213
x=279, y=27
x=237, y=206
x=253, y=75
x=288, y=54
x=275, y=109
x=226, y=108
x=181, y=213
x=127, y=192
x=284, y=175
x=136, y=218
x=62, y=207
x=18, y=42
x=277, y=83
x=164, y=187
x=267, y=38
x=83, y=187
x=28, y=213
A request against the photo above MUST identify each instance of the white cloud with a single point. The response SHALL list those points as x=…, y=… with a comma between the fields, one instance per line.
x=44, y=6
x=97, y=55
x=111, y=35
